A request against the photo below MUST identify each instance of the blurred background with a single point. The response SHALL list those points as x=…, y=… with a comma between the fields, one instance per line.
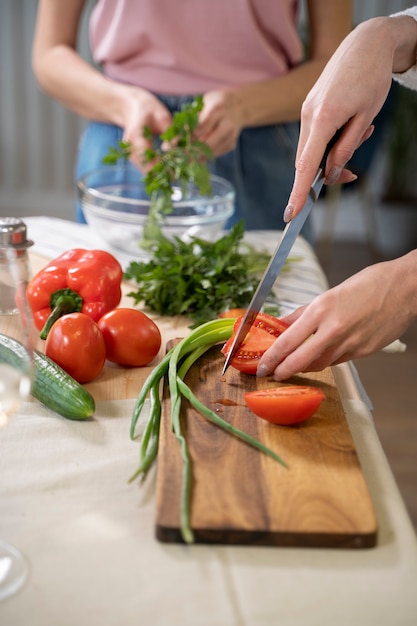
x=353, y=227
x=38, y=136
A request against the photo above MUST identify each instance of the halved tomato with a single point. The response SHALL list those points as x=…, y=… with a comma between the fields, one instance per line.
x=265, y=329
x=285, y=405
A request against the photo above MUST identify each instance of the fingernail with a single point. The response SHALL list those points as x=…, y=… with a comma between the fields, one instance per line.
x=352, y=177
x=262, y=370
x=334, y=175
x=288, y=213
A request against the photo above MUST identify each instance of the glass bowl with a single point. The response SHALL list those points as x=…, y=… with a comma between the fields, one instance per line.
x=116, y=206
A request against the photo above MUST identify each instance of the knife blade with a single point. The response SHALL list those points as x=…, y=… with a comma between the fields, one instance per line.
x=280, y=255
x=289, y=235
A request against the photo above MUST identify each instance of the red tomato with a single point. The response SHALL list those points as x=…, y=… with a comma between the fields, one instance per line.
x=265, y=329
x=75, y=342
x=231, y=313
x=285, y=405
x=131, y=337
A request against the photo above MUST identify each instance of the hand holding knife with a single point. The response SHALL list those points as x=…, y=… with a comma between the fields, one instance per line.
x=280, y=255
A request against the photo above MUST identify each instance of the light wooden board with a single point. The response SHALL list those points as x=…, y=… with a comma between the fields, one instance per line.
x=239, y=495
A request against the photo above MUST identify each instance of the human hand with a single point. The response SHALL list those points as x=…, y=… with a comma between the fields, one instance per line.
x=350, y=92
x=357, y=318
x=142, y=109
x=220, y=121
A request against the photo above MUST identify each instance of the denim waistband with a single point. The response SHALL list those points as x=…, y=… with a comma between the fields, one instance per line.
x=174, y=102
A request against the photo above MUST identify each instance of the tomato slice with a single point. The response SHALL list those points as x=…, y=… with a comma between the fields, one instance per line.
x=285, y=405
x=265, y=329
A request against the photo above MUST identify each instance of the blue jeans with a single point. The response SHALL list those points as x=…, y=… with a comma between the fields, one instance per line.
x=261, y=167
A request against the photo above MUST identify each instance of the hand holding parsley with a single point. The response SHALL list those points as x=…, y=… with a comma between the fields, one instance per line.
x=178, y=156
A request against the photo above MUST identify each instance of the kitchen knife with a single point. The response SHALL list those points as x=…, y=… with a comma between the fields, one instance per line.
x=279, y=257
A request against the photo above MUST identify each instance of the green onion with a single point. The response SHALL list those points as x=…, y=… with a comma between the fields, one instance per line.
x=175, y=365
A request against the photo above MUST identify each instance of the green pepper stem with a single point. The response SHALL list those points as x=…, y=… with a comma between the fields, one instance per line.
x=62, y=302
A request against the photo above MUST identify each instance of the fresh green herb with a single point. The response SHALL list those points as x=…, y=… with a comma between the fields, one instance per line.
x=176, y=364
x=123, y=150
x=200, y=278
x=184, y=162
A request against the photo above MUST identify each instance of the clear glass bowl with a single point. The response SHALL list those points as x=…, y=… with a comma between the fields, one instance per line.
x=116, y=207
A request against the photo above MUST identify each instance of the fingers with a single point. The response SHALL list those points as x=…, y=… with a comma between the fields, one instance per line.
x=309, y=153
x=309, y=344
x=367, y=134
x=292, y=317
x=207, y=122
x=312, y=145
x=149, y=113
x=312, y=355
x=158, y=119
x=219, y=124
x=283, y=352
x=220, y=134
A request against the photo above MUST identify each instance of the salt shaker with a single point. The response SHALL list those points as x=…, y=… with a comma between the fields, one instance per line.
x=14, y=262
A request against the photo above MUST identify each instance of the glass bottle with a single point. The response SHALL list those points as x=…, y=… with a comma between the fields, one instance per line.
x=13, y=260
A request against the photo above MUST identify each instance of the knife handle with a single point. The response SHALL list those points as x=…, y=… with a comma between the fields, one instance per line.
x=330, y=145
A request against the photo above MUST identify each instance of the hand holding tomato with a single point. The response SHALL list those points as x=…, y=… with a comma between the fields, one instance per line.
x=265, y=329
x=131, y=337
x=76, y=343
x=356, y=318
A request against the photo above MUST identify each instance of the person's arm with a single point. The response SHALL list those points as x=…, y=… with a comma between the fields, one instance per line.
x=226, y=112
x=350, y=91
x=375, y=306
x=358, y=317
x=67, y=77
x=407, y=77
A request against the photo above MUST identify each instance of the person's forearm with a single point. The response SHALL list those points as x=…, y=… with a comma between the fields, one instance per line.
x=400, y=33
x=407, y=273
x=80, y=87
x=404, y=32
x=278, y=100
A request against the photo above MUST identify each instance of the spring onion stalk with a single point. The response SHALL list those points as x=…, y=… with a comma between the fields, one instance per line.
x=202, y=337
x=153, y=379
x=150, y=437
x=175, y=365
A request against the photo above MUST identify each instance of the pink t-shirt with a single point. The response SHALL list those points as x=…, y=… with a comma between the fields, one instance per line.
x=192, y=46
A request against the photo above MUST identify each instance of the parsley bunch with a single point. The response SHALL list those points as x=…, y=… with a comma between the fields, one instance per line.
x=199, y=278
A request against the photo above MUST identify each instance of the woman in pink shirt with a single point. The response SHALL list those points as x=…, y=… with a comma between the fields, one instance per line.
x=244, y=56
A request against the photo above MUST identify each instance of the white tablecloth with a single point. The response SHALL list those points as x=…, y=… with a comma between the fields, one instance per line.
x=89, y=537
x=52, y=236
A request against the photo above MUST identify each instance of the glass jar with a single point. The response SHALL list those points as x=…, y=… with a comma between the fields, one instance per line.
x=14, y=262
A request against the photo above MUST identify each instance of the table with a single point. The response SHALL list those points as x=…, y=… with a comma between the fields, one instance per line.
x=65, y=501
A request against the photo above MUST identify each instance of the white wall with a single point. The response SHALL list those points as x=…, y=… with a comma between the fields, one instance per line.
x=38, y=137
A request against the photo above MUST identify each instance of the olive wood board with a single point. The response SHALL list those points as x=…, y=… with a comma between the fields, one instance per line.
x=241, y=496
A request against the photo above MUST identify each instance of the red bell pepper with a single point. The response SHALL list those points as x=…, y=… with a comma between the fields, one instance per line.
x=79, y=280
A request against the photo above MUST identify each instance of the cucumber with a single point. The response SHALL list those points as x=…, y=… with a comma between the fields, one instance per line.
x=53, y=387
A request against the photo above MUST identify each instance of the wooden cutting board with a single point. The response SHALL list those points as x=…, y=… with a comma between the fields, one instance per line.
x=241, y=496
